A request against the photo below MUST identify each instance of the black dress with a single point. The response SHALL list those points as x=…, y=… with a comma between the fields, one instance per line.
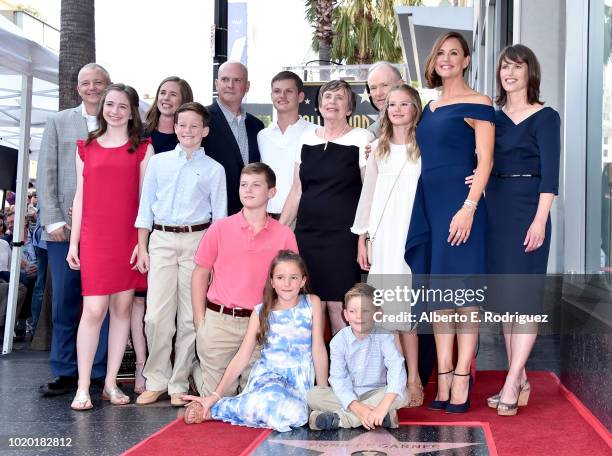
x=331, y=186
x=163, y=142
x=530, y=148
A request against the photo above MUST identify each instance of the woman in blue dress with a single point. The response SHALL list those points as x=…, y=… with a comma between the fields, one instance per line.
x=289, y=325
x=447, y=234
x=523, y=184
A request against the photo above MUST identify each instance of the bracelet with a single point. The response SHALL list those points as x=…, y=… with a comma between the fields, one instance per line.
x=214, y=393
x=469, y=204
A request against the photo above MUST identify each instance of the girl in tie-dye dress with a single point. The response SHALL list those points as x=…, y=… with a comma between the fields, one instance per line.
x=289, y=327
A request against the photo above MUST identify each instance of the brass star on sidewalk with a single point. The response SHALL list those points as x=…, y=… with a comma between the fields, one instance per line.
x=376, y=442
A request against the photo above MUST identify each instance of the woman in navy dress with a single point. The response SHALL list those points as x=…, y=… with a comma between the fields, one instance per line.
x=447, y=233
x=523, y=184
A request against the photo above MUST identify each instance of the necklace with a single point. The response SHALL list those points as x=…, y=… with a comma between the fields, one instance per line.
x=327, y=140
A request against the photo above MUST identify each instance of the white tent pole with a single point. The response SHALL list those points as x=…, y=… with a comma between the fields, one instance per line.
x=23, y=163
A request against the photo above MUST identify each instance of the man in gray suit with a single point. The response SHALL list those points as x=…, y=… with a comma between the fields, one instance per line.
x=382, y=76
x=56, y=186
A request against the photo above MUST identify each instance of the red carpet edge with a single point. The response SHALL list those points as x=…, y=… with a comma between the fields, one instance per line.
x=583, y=411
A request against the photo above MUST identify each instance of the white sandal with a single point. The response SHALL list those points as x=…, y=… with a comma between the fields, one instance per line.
x=83, y=400
x=115, y=396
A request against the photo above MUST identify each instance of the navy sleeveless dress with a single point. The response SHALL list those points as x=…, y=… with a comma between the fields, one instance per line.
x=530, y=148
x=448, y=155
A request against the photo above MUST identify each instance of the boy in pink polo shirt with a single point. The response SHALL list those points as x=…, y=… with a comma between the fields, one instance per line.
x=238, y=251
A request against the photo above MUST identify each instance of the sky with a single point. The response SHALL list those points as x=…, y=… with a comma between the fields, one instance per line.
x=140, y=42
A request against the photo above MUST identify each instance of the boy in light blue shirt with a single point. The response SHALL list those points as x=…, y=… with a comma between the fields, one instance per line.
x=183, y=192
x=367, y=373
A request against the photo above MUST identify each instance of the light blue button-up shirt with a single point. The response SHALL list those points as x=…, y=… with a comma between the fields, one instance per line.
x=180, y=192
x=358, y=366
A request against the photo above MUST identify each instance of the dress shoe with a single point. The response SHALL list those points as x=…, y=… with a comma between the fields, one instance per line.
x=150, y=397
x=176, y=401
x=461, y=408
x=440, y=405
x=58, y=386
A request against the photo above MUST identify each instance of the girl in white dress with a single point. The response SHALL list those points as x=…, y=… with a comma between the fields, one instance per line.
x=384, y=210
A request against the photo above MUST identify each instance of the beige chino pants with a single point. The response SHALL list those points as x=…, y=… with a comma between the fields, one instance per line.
x=323, y=399
x=217, y=341
x=169, y=310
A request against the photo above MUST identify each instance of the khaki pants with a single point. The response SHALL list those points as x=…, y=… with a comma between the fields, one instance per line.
x=169, y=310
x=21, y=297
x=323, y=399
x=217, y=341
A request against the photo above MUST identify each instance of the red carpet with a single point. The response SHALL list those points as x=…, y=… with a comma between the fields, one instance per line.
x=554, y=423
x=549, y=425
x=212, y=438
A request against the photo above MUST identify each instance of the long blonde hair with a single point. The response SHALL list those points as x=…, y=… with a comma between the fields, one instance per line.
x=386, y=127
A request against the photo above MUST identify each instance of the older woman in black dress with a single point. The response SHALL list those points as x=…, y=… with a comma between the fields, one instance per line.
x=330, y=164
x=520, y=192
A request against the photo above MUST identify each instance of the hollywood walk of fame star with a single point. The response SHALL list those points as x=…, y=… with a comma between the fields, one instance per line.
x=365, y=96
x=378, y=442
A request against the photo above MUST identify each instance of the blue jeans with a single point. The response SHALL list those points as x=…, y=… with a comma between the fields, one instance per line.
x=66, y=312
x=39, y=286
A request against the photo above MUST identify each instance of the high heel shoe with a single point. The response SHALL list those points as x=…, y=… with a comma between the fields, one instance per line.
x=115, y=396
x=139, y=380
x=523, y=398
x=505, y=409
x=461, y=408
x=441, y=405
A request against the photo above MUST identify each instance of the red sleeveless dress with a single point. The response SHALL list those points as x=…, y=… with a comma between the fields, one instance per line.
x=110, y=205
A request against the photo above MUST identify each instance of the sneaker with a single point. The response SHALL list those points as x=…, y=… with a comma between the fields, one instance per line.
x=323, y=421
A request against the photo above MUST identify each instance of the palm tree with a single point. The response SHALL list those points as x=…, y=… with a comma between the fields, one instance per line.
x=356, y=31
x=77, y=47
x=320, y=15
x=366, y=31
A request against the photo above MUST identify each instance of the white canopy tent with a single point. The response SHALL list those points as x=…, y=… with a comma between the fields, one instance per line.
x=28, y=60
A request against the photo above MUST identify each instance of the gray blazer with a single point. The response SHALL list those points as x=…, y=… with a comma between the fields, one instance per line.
x=56, y=174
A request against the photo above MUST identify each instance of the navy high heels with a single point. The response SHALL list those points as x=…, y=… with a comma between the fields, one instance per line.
x=461, y=408
x=440, y=405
